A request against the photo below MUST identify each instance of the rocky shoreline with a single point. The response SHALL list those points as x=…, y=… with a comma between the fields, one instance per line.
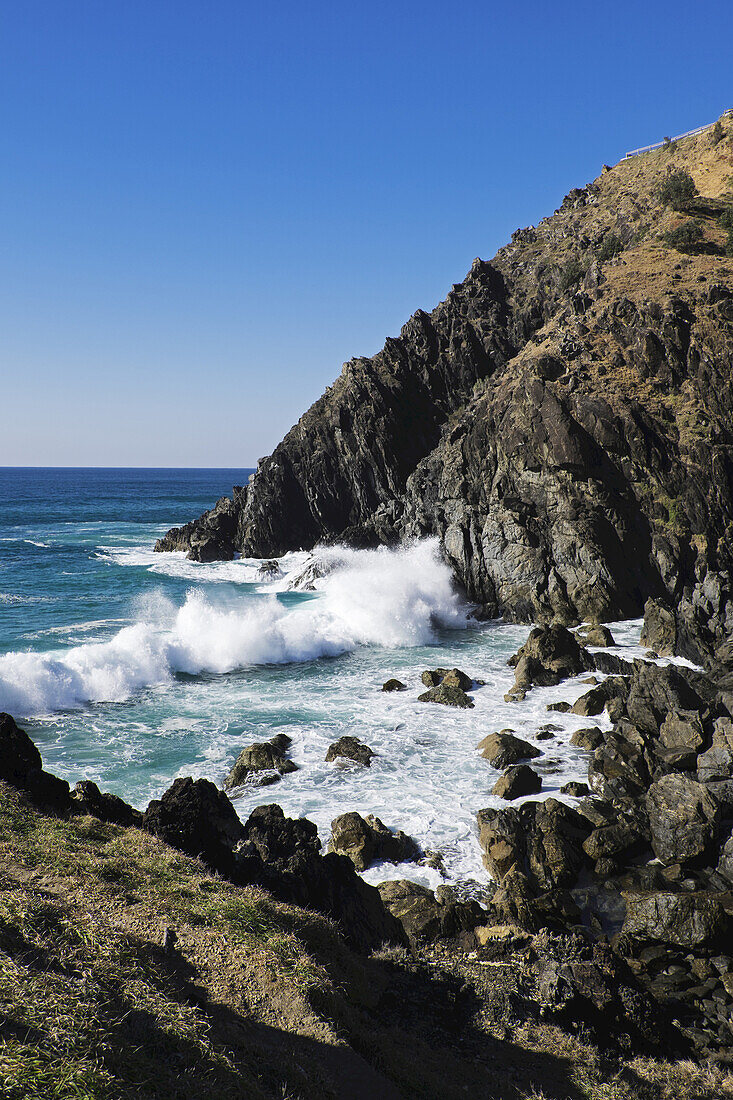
x=630, y=889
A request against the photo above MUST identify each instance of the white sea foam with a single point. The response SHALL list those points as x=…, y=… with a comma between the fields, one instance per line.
x=374, y=597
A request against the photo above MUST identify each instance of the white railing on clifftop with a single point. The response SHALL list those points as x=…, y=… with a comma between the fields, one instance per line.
x=668, y=141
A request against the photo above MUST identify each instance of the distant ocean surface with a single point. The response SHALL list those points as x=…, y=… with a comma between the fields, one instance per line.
x=131, y=668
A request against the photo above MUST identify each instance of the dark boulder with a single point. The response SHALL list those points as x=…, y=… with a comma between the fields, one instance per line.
x=368, y=840
x=394, y=685
x=517, y=781
x=449, y=677
x=276, y=839
x=350, y=748
x=87, y=798
x=21, y=766
x=589, y=738
x=427, y=916
x=503, y=749
x=656, y=690
x=595, y=635
x=450, y=695
x=683, y=818
x=197, y=818
x=543, y=841
x=575, y=789
x=550, y=654
x=681, y=738
x=621, y=766
x=716, y=763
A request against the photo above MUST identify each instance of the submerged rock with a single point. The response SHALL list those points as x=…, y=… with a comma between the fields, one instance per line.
x=350, y=748
x=394, y=685
x=266, y=757
x=450, y=696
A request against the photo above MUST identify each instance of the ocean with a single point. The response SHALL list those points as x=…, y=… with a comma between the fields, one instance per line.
x=132, y=668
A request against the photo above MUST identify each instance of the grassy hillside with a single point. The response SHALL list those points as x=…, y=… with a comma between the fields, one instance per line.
x=256, y=999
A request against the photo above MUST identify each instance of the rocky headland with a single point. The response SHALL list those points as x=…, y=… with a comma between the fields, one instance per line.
x=562, y=421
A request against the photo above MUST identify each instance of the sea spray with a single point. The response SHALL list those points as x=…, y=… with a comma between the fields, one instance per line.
x=383, y=597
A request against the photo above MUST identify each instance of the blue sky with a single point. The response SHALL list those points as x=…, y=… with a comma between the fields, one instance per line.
x=206, y=207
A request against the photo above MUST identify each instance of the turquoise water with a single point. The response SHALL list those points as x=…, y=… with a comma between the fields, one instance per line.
x=131, y=668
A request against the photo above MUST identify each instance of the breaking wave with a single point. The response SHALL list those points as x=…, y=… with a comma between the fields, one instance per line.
x=381, y=597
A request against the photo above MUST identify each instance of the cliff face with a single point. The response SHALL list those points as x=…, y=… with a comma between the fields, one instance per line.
x=563, y=421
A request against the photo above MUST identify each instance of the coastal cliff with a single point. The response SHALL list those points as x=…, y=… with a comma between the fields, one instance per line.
x=562, y=421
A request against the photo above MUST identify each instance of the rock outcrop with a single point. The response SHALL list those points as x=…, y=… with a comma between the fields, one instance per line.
x=563, y=422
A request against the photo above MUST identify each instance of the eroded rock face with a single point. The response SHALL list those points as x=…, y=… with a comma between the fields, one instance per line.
x=685, y=919
x=87, y=798
x=683, y=818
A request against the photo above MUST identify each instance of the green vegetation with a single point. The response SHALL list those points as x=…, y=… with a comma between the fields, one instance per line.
x=571, y=274
x=676, y=188
x=687, y=237
x=611, y=245
x=717, y=134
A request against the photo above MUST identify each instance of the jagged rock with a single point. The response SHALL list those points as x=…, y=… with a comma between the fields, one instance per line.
x=428, y=916
x=315, y=570
x=589, y=738
x=210, y=538
x=655, y=691
x=717, y=762
x=449, y=677
x=621, y=767
x=516, y=782
x=592, y=703
x=683, y=818
x=87, y=798
x=595, y=635
x=540, y=840
x=266, y=756
x=681, y=736
x=277, y=840
x=450, y=696
x=21, y=766
x=558, y=488
x=550, y=654
x=394, y=685
x=350, y=748
x=269, y=570
x=198, y=819
x=368, y=840
x=659, y=631
x=502, y=749
x=612, y=840
x=282, y=854
x=688, y=920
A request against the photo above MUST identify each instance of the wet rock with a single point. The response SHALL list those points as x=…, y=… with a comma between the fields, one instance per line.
x=269, y=570
x=560, y=708
x=589, y=738
x=517, y=781
x=595, y=635
x=87, y=798
x=575, y=789
x=659, y=631
x=368, y=840
x=503, y=749
x=197, y=818
x=266, y=757
x=449, y=677
x=394, y=685
x=683, y=818
x=21, y=766
x=550, y=654
x=544, y=735
x=592, y=703
x=314, y=570
x=350, y=748
x=688, y=920
x=450, y=696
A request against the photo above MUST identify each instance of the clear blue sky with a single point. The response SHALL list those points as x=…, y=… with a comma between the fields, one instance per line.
x=206, y=207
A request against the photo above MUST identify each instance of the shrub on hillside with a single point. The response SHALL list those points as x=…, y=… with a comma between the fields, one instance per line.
x=717, y=134
x=676, y=188
x=686, y=237
x=571, y=274
x=611, y=245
